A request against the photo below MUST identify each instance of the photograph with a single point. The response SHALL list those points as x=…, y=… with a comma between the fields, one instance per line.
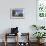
x=17, y=13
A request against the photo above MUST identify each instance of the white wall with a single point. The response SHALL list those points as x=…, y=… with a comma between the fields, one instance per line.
x=23, y=24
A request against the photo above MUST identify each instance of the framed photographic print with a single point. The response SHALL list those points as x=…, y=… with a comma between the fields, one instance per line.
x=17, y=13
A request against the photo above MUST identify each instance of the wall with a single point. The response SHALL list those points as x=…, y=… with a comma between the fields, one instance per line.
x=23, y=24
